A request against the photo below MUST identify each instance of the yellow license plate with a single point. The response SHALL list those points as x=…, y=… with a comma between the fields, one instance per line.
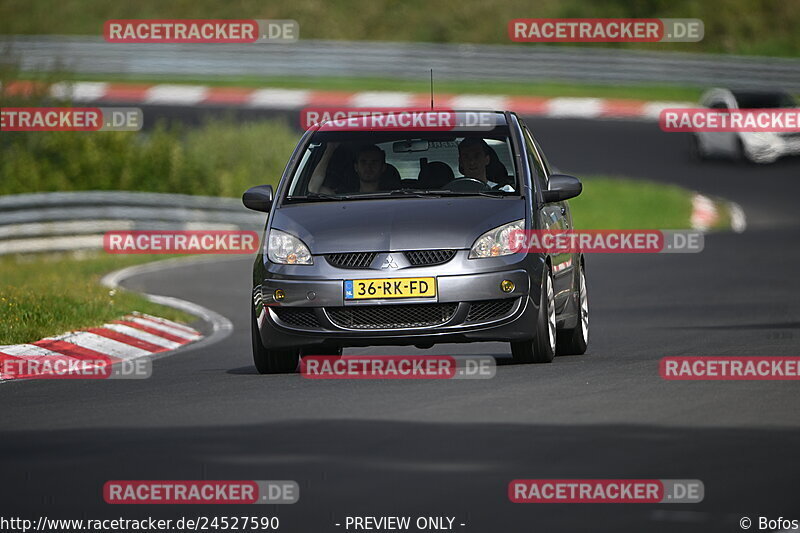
x=360, y=289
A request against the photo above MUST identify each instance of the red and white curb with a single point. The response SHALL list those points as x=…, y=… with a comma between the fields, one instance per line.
x=706, y=214
x=562, y=266
x=134, y=336
x=276, y=98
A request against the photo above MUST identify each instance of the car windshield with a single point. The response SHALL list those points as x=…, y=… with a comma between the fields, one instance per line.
x=757, y=100
x=363, y=165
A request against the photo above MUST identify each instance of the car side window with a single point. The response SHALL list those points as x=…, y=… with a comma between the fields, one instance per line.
x=545, y=164
x=533, y=159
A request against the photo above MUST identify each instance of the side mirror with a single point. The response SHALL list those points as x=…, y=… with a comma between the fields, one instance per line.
x=562, y=188
x=258, y=198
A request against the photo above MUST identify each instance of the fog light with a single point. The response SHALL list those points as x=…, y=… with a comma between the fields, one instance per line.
x=279, y=295
x=507, y=285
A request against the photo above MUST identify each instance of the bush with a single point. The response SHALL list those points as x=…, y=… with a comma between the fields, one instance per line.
x=220, y=158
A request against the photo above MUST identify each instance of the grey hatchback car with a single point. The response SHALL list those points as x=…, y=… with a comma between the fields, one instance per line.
x=399, y=236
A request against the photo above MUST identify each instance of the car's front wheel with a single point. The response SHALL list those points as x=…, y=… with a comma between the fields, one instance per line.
x=271, y=361
x=573, y=341
x=321, y=350
x=542, y=348
x=696, y=149
x=742, y=154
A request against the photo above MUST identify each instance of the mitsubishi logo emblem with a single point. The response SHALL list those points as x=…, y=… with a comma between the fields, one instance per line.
x=388, y=263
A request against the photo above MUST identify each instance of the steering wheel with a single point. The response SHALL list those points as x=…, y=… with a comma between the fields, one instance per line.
x=465, y=185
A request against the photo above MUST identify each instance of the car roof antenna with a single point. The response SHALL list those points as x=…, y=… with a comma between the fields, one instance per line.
x=431, y=89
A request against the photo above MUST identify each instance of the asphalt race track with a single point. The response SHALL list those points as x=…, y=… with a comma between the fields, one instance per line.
x=451, y=447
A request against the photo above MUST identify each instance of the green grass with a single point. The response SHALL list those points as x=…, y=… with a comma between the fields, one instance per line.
x=43, y=295
x=352, y=84
x=761, y=27
x=619, y=203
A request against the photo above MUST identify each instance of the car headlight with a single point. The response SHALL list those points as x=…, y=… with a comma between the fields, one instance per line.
x=286, y=249
x=497, y=241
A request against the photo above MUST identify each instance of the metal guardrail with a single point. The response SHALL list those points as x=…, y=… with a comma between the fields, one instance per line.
x=61, y=221
x=92, y=55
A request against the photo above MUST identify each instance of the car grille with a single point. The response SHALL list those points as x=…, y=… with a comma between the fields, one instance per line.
x=297, y=317
x=415, y=258
x=489, y=309
x=391, y=316
x=352, y=260
x=429, y=257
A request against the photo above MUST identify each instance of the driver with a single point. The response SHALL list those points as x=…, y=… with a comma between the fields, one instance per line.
x=370, y=165
x=473, y=160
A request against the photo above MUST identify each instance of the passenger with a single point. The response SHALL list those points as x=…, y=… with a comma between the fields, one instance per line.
x=474, y=157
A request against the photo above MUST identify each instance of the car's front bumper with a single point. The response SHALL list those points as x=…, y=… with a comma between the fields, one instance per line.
x=767, y=149
x=467, y=308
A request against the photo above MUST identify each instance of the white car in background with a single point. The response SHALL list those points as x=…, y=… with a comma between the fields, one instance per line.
x=762, y=147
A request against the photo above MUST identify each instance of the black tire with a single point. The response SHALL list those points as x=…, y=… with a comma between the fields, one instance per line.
x=696, y=150
x=271, y=361
x=742, y=156
x=574, y=341
x=321, y=350
x=542, y=348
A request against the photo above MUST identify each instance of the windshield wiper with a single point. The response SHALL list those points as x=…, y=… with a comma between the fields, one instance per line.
x=436, y=193
x=315, y=196
x=490, y=193
x=417, y=193
x=312, y=196
x=421, y=193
